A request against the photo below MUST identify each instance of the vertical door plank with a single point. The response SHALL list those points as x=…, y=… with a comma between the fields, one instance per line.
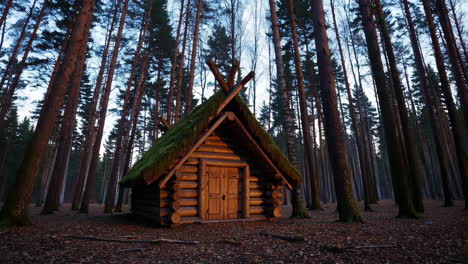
x=202, y=189
x=246, y=192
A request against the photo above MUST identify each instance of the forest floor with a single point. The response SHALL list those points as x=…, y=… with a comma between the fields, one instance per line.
x=440, y=237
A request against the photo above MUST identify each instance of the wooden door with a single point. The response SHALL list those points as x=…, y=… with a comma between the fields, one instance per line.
x=215, y=193
x=223, y=194
x=232, y=195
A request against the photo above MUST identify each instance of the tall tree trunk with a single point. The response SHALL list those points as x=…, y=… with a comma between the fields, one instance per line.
x=16, y=48
x=65, y=139
x=452, y=51
x=313, y=98
x=134, y=121
x=170, y=100
x=288, y=122
x=347, y=206
x=363, y=159
x=315, y=201
x=398, y=163
x=180, y=76
x=434, y=112
x=189, y=93
x=116, y=168
x=14, y=210
x=232, y=16
x=408, y=137
x=8, y=96
x=45, y=176
x=90, y=131
x=459, y=30
x=363, y=115
x=128, y=144
x=91, y=181
x=457, y=125
x=6, y=9
x=156, y=113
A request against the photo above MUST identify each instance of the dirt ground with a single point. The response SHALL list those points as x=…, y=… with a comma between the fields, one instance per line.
x=440, y=237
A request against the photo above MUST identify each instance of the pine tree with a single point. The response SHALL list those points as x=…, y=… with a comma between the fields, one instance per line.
x=14, y=211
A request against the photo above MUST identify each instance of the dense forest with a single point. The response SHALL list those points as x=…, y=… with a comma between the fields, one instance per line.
x=367, y=98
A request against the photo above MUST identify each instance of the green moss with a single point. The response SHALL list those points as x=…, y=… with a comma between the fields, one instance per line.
x=177, y=140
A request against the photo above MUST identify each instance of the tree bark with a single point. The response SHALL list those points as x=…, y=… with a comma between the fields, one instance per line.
x=90, y=131
x=400, y=174
x=430, y=99
x=5, y=13
x=457, y=125
x=459, y=30
x=14, y=211
x=408, y=137
x=364, y=162
x=170, y=100
x=8, y=96
x=347, y=206
x=121, y=131
x=452, y=52
x=288, y=122
x=180, y=77
x=90, y=183
x=189, y=94
x=315, y=201
x=65, y=138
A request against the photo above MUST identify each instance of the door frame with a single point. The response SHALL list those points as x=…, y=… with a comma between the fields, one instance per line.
x=202, y=184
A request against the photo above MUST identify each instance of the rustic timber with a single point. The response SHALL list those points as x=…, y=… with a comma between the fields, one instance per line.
x=218, y=76
x=201, y=190
x=179, y=185
x=184, y=194
x=246, y=191
x=187, y=176
x=235, y=91
x=255, y=193
x=163, y=124
x=212, y=155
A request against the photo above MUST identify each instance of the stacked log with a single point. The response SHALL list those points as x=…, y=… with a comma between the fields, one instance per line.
x=184, y=197
x=273, y=195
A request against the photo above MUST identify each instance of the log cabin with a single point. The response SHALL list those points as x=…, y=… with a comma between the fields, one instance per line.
x=217, y=163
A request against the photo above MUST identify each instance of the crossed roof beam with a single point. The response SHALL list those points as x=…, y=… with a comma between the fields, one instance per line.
x=227, y=86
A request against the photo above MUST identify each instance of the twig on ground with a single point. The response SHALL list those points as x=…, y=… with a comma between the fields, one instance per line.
x=156, y=241
x=130, y=250
x=284, y=237
x=372, y=246
x=230, y=242
x=336, y=249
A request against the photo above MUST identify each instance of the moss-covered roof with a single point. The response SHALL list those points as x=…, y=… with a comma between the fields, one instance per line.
x=179, y=138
